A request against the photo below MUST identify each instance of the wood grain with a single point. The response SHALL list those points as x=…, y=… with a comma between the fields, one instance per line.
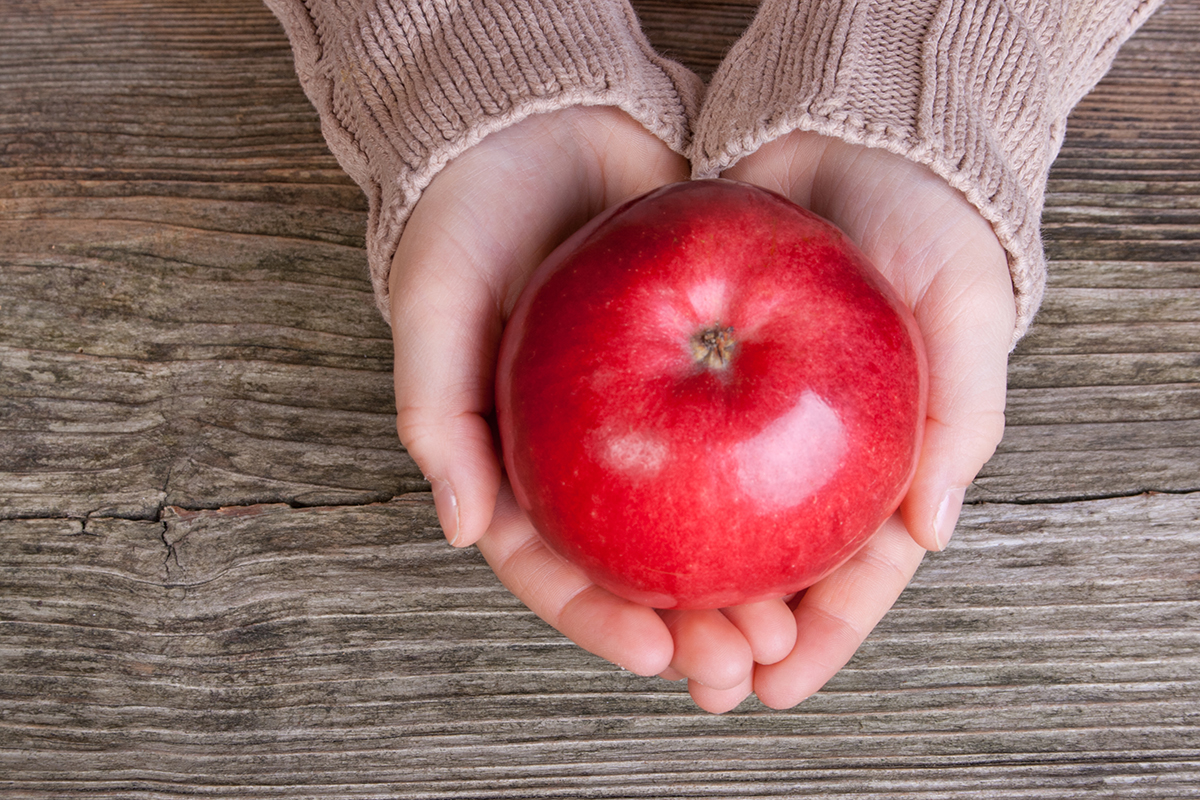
x=697, y=33
x=186, y=320
x=221, y=576
x=1102, y=397
x=207, y=653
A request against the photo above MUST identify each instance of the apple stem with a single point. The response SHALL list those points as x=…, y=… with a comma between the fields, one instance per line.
x=713, y=347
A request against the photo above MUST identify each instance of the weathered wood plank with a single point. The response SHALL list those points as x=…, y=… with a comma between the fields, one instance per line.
x=261, y=265
x=1116, y=346
x=278, y=652
x=185, y=323
x=186, y=316
x=697, y=33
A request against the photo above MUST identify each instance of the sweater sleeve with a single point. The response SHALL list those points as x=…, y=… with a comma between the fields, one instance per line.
x=403, y=86
x=977, y=90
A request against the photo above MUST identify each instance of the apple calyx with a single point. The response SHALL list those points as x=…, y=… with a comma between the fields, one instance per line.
x=713, y=347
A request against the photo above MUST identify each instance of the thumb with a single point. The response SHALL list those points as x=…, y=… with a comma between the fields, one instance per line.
x=445, y=336
x=489, y=218
x=466, y=248
x=967, y=318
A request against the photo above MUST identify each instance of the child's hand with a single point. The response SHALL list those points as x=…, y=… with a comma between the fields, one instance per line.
x=480, y=229
x=946, y=263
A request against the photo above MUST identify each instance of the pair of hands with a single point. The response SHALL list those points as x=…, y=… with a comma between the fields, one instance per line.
x=491, y=216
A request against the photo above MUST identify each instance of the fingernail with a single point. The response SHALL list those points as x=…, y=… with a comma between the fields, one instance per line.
x=447, y=508
x=947, y=515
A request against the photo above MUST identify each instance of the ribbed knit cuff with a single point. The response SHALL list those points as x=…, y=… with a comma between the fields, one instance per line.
x=403, y=86
x=977, y=90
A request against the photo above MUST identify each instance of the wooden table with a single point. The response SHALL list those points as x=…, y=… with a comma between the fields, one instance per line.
x=221, y=576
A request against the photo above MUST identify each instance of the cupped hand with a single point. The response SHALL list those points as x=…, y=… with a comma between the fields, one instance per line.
x=482, y=226
x=948, y=266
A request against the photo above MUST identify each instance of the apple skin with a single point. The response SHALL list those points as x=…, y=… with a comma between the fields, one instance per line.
x=707, y=396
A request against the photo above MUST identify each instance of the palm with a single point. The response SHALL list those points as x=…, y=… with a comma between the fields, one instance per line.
x=947, y=264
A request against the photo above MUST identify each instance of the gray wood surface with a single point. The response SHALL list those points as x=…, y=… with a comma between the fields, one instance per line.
x=221, y=576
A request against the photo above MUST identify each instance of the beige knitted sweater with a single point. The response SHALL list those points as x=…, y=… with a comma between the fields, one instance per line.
x=978, y=90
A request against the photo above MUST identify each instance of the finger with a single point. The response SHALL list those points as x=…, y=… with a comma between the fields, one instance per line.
x=708, y=648
x=445, y=335
x=627, y=634
x=719, y=701
x=967, y=315
x=767, y=626
x=836, y=614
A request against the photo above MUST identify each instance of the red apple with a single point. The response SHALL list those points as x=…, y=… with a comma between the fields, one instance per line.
x=707, y=396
